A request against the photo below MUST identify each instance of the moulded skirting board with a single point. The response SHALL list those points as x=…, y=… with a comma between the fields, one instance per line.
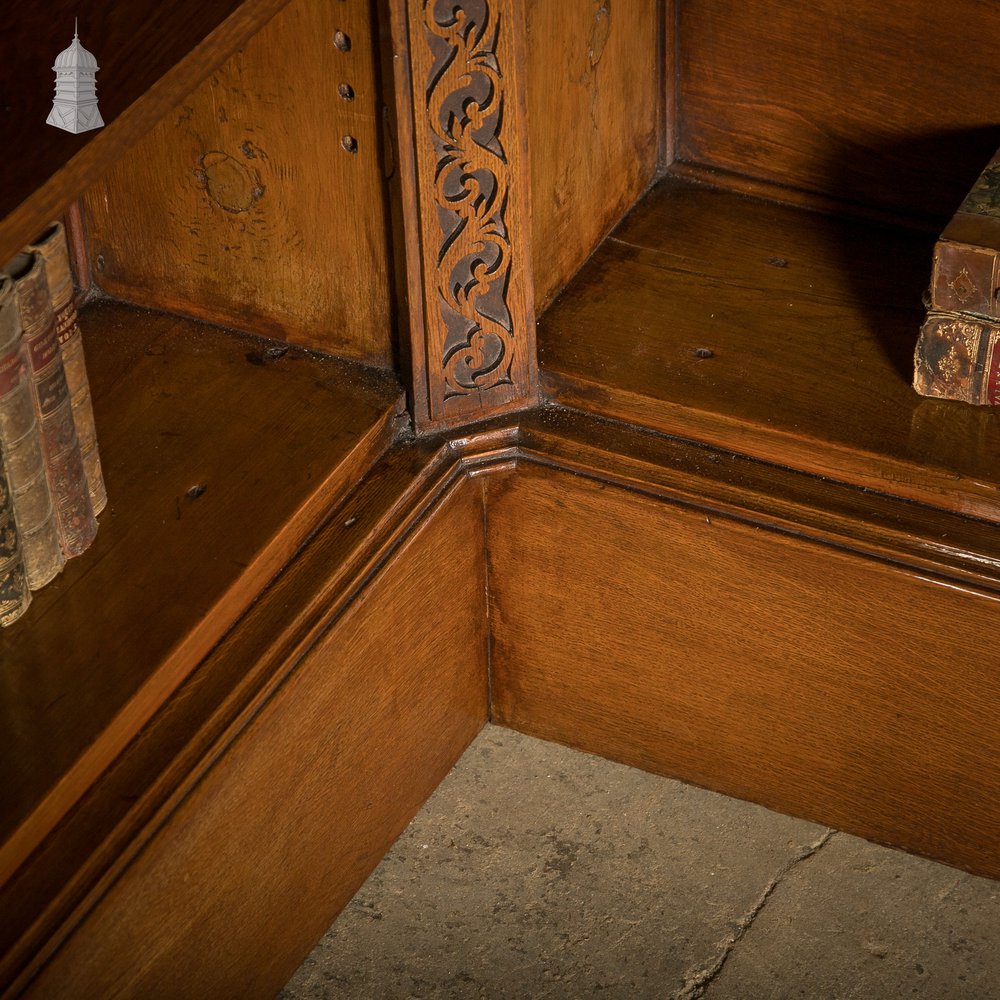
x=757, y=631
x=388, y=573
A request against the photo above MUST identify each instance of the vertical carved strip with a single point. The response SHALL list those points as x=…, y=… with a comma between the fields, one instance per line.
x=477, y=355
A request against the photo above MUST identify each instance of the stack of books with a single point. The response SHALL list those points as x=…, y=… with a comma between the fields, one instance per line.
x=51, y=485
x=958, y=353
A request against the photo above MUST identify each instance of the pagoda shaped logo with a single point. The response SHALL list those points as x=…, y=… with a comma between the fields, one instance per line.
x=75, y=106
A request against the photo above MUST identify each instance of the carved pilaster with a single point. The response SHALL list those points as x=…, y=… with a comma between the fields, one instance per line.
x=460, y=105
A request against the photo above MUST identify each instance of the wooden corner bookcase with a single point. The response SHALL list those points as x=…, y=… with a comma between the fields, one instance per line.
x=523, y=360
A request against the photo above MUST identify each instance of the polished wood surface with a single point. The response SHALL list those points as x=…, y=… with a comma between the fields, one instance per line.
x=816, y=680
x=219, y=460
x=966, y=550
x=252, y=863
x=55, y=888
x=771, y=331
x=463, y=160
x=592, y=133
x=887, y=104
x=150, y=55
x=238, y=209
x=896, y=548
x=669, y=111
x=216, y=721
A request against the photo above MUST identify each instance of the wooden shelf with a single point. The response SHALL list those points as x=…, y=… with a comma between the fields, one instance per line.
x=810, y=321
x=150, y=56
x=220, y=459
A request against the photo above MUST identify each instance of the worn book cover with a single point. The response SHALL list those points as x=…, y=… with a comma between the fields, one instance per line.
x=21, y=444
x=52, y=246
x=958, y=358
x=63, y=461
x=956, y=355
x=14, y=593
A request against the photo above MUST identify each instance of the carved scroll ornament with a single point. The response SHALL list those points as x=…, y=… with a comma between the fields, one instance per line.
x=479, y=320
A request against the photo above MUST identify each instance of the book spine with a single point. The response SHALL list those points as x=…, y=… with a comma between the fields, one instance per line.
x=958, y=357
x=966, y=279
x=63, y=461
x=21, y=443
x=52, y=246
x=14, y=593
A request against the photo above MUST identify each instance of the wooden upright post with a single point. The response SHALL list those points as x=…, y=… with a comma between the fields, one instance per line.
x=463, y=155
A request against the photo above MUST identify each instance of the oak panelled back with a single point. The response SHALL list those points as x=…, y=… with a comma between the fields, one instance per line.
x=592, y=76
x=260, y=202
x=890, y=103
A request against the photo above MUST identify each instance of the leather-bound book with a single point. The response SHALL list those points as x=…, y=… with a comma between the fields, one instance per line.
x=15, y=596
x=957, y=358
x=52, y=246
x=957, y=353
x=63, y=461
x=21, y=445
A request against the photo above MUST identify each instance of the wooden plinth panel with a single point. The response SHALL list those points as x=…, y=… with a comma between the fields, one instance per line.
x=252, y=866
x=815, y=680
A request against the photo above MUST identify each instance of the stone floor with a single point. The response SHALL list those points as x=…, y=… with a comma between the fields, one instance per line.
x=535, y=871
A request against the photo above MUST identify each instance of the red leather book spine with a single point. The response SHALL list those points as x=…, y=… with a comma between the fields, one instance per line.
x=21, y=445
x=15, y=596
x=63, y=461
x=52, y=246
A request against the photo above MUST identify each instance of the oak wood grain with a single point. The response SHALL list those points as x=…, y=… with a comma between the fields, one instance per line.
x=592, y=75
x=150, y=55
x=771, y=331
x=243, y=206
x=460, y=102
x=216, y=473
x=887, y=104
x=669, y=113
x=171, y=754
x=72, y=866
x=250, y=868
x=938, y=542
x=757, y=663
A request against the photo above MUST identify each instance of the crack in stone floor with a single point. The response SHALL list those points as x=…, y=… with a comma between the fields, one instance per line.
x=699, y=980
x=535, y=871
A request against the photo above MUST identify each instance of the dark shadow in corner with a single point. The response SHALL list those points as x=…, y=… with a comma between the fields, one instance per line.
x=925, y=178
x=919, y=180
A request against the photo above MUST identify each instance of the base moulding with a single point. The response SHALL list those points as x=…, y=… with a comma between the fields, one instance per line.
x=764, y=633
